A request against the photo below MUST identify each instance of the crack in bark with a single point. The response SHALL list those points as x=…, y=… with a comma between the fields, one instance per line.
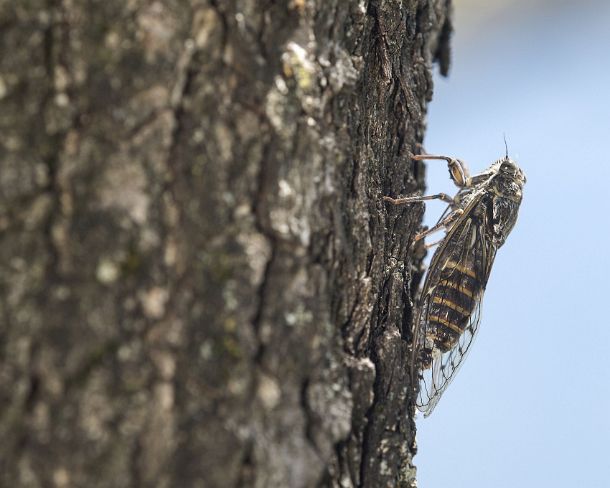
x=52, y=158
x=368, y=447
x=262, y=295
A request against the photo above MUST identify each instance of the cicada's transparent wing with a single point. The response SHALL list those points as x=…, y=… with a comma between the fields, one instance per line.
x=444, y=366
x=450, y=307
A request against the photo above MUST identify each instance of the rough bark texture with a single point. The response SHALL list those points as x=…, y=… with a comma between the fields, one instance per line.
x=200, y=285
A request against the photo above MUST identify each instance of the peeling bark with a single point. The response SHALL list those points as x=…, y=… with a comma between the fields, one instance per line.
x=199, y=282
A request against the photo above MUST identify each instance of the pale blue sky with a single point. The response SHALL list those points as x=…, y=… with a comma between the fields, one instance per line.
x=531, y=405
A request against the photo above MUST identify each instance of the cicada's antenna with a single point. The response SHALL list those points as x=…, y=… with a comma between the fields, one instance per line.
x=505, y=145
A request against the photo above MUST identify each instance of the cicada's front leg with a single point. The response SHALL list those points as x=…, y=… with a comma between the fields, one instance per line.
x=439, y=196
x=457, y=169
x=442, y=224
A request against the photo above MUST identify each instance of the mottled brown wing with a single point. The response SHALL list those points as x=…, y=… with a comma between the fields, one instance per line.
x=450, y=304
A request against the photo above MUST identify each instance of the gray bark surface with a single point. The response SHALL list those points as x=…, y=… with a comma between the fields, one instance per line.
x=199, y=282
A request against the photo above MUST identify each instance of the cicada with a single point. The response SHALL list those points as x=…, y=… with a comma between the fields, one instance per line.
x=477, y=222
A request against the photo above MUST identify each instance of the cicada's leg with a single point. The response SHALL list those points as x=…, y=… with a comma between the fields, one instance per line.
x=457, y=169
x=439, y=196
x=432, y=244
x=442, y=224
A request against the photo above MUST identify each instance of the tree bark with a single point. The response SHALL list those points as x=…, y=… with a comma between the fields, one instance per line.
x=200, y=284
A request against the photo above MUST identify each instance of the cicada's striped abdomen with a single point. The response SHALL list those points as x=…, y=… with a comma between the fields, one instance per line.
x=450, y=306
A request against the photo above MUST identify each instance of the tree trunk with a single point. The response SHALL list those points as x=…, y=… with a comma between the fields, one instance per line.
x=200, y=284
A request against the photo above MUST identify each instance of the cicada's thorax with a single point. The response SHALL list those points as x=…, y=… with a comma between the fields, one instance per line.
x=460, y=280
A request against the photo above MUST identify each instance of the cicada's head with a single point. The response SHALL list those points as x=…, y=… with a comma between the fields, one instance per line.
x=508, y=180
x=506, y=186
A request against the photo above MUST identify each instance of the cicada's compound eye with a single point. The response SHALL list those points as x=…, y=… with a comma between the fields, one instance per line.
x=508, y=166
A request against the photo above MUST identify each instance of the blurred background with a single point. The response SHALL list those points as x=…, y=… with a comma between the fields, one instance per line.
x=531, y=405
